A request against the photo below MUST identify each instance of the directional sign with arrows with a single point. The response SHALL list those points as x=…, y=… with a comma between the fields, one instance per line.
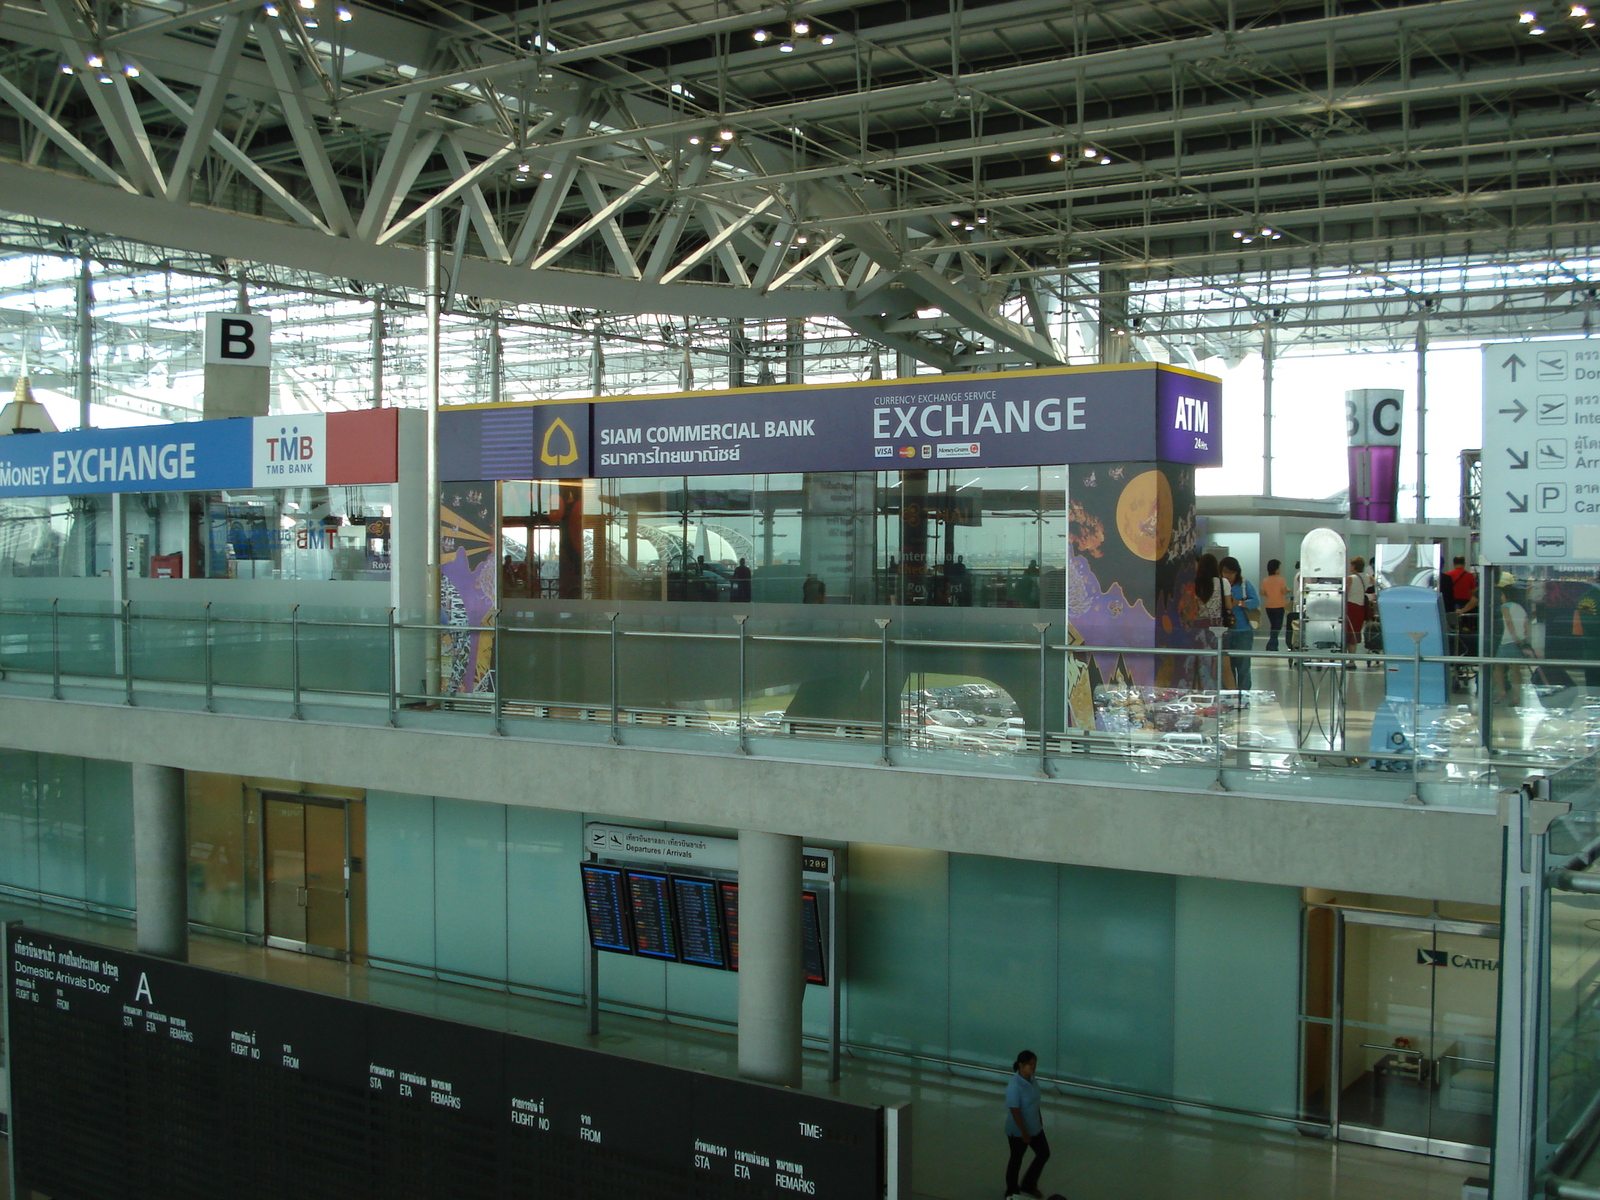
x=1541, y=452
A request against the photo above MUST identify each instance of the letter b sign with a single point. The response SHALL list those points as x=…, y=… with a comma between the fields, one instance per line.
x=238, y=339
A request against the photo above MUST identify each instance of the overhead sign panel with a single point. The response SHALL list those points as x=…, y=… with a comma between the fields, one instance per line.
x=1541, y=452
x=1137, y=413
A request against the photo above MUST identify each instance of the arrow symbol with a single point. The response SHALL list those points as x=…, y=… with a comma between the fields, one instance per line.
x=1518, y=463
x=1521, y=410
x=1518, y=549
x=1513, y=362
x=1518, y=504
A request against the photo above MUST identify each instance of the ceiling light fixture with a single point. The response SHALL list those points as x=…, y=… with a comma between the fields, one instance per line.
x=760, y=35
x=785, y=47
x=1528, y=17
x=694, y=139
x=801, y=27
x=344, y=14
x=1055, y=156
x=725, y=134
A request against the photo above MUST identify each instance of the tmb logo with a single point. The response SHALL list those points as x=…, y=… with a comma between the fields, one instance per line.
x=290, y=452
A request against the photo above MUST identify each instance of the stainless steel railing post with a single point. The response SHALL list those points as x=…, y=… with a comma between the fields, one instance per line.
x=294, y=659
x=883, y=674
x=209, y=667
x=743, y=646
x=616, y=712
x=127, y=652
x=394, y=671
x=496, y=633
x=1043, y=628
x=55, y=648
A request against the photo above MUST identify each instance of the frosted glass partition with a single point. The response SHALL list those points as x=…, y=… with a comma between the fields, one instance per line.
x=469, y=869
x=400, y=921
x=66, y=830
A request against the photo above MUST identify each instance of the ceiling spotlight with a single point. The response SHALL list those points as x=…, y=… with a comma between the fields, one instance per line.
x=1528, y=17
x=760, y=35
x=1090, y=152
x=954, y=221
x=523, y=168
x=94, y=60
x=1238, y=233
x=1055, y=156
x=716, y=147
x=310, y=22
x=725, y=134
x=1536, y=30
x=825, y=40
x=801, y=240
x=131, y=71
x=1105, y=160
x=786, y=47
x=270, y=9
x=801, y=28
x=983, y=220
x=344, y=14
x=1578, y=10
x=694, y=139
x=970, y=228
x=66, y=68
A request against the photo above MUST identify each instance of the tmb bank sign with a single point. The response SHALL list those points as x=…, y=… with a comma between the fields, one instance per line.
x=305, y=450
x=1139, y=413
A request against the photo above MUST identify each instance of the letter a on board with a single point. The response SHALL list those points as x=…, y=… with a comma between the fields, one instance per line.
x=143, y=991
x=549, y=456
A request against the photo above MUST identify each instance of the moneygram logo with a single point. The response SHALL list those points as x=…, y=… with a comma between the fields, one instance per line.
x=958, y=449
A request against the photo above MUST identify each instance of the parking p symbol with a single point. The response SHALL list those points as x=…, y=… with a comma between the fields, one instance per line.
x=1550, y=497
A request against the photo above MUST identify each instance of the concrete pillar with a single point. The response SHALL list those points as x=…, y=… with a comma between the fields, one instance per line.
x=161, y=861
x=1116, y=343
x=771, y=973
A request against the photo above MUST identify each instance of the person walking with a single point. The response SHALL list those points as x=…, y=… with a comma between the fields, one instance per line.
x=1275, y=599
x=1242, y=601
x=1025, y=1128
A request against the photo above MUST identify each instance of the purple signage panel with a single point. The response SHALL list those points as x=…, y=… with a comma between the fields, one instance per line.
x=1136, y=413
x=1021, y=419
x=1188, y=419
x=529, y=441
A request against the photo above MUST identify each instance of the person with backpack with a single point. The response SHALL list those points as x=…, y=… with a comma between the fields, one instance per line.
x=1242, y=602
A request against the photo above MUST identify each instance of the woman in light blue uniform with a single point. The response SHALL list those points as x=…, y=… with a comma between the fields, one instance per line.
x=1024, y=1128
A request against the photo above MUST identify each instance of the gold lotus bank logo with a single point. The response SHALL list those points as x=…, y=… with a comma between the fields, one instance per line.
x=560, y=445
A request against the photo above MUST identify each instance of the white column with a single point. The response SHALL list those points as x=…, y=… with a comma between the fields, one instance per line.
x=771, y=974
x=160, y=861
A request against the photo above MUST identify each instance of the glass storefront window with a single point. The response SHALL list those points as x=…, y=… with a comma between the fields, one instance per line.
x=992, y=538
x=309, y=533
x=56, y=536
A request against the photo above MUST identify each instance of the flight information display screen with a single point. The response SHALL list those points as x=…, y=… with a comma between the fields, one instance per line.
x=699, y=921
x=134, y=1077
x=812, y=951
x=606, y=907
x=730, y=912
x=651, y=909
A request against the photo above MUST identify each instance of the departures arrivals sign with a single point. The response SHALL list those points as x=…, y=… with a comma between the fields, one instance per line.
x=1541, y=452
x=264, y=1090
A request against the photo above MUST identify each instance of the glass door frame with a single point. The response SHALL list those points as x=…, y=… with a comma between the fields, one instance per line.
x=266, y=798
x=1389, y=1139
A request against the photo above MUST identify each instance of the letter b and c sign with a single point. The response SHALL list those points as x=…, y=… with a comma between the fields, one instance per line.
x=238, y=339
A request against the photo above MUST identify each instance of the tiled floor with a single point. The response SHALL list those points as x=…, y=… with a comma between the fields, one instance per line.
x=1101, y=1151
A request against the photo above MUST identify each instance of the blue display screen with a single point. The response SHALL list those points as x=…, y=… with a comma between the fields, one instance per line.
x=699, y=922
x=606, y=908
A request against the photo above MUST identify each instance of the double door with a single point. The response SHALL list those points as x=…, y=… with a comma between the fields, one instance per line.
x=1411, y=1045
x=307, y=869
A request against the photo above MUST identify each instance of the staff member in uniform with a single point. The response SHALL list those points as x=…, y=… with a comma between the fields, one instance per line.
x=1025, y=1128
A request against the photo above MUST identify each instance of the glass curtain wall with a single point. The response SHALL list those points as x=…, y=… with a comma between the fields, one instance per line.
x=991, y=538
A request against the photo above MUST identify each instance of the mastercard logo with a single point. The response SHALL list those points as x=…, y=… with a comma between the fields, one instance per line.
x=908, y=451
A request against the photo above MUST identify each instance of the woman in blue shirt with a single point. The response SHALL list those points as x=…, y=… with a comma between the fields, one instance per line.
x=1242, y=599
x=1024, y=1127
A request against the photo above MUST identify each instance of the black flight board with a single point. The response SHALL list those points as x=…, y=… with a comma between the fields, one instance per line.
x=730, y=913
x=699, y=921
x=606, y=906
x=133, y=1077
x=812, y=952
x=651, y=909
